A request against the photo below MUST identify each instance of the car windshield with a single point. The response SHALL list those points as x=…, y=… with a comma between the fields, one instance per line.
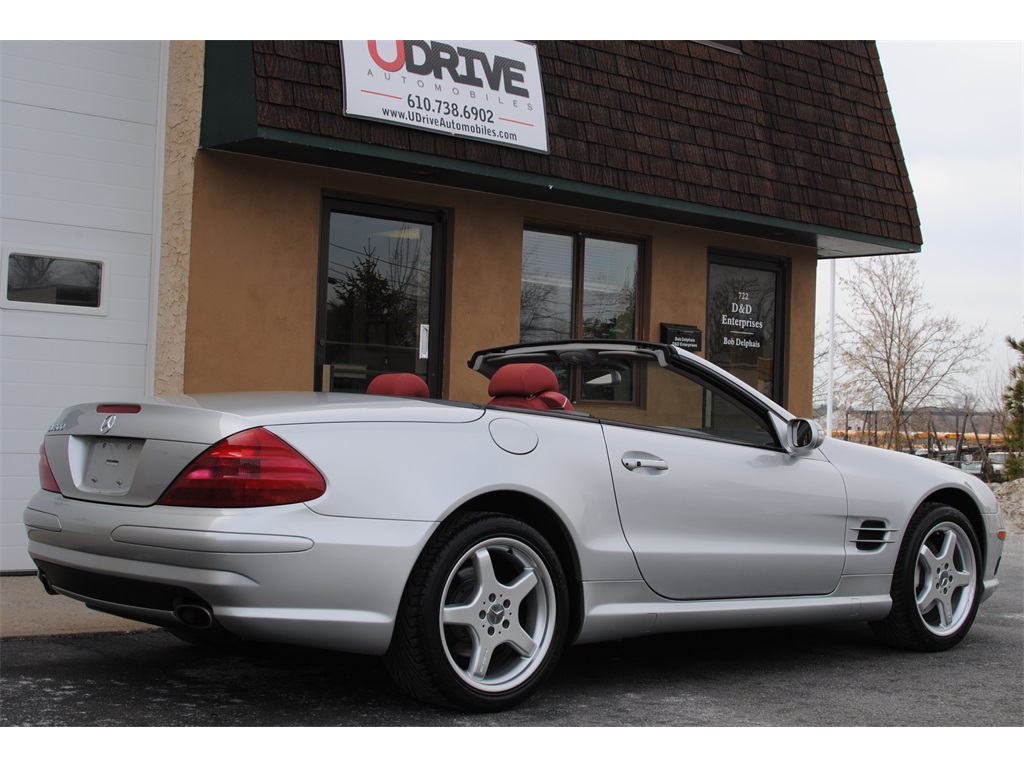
x=644, y=393
x=630, y=386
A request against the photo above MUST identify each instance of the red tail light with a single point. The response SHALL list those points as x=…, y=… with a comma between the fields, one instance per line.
x=46, y=479
x=254, y=468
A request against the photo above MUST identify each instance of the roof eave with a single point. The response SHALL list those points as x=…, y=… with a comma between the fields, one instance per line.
x=409, y=165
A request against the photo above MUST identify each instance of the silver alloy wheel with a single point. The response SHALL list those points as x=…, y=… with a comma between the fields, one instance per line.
x=944, y=582
x=497, y=617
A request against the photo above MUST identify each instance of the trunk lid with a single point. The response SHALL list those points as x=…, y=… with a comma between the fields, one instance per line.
x=129, y=453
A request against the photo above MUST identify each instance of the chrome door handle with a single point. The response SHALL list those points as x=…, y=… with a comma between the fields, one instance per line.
x=634, y=461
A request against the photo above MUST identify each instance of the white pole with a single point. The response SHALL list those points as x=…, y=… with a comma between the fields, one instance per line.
x=831, y=348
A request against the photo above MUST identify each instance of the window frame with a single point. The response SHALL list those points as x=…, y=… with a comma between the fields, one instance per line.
x=103, y=307
x=781, y=269
x=439, y=220
x=579, y=239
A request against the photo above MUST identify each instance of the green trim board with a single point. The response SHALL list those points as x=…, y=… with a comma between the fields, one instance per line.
x=229, y=93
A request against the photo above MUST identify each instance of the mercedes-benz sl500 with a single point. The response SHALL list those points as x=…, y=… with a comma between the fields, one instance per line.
x=605, y=490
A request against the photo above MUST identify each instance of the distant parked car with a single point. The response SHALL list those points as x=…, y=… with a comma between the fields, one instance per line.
x=972, y=467
x=997, y=460
x=605, y=490
x=999, y=464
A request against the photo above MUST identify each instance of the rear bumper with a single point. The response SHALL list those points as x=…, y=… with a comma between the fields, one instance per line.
x=278, y=574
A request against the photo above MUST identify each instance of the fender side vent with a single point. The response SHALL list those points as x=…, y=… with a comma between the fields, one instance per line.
x=871, y=535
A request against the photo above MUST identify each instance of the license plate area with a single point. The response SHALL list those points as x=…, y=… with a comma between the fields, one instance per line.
x=110, y=465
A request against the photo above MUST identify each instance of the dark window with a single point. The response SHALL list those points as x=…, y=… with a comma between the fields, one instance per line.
x=52, y=280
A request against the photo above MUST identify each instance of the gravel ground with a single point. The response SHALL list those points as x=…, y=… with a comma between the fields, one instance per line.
x=1011, y=501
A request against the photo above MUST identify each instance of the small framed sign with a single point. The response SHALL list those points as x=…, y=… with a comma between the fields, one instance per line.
x=686, y=337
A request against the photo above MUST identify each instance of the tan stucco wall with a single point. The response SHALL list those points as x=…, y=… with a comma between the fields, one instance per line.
x=487, y=260
x=238, y=293
x=184, y=109
x=253, y=286
x=253, y=277
x=252, y=281
x=256, y=233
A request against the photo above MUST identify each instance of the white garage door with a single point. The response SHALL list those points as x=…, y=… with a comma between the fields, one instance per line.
x=81, y=156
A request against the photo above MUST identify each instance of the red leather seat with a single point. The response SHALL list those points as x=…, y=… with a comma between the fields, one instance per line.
x=527, y=385
x=398, y=384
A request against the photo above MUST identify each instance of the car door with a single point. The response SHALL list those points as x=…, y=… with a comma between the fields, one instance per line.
x=714, y=508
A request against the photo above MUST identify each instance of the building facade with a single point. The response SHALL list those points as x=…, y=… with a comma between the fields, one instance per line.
x=330, y=211
x=683, y=186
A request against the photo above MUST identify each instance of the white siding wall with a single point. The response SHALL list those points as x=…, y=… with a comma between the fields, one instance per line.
x=81, y=154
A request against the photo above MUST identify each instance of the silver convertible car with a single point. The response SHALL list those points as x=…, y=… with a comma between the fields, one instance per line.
x=606, y=490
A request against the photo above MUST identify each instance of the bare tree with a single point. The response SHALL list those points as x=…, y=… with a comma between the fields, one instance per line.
x=539, y=314
x=819, y=392
x=990, y=391
x=897, y=352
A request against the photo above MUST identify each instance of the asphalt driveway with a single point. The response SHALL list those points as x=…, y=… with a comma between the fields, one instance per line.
x=834, y=675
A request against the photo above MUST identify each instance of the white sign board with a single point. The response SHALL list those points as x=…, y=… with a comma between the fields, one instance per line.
x=488, y=90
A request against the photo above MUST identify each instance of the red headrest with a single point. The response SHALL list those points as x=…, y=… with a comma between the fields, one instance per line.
x=527, y=385
x=522, y=380
x=399, y=384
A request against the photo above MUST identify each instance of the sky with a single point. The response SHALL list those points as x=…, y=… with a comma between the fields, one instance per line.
x=959, y=109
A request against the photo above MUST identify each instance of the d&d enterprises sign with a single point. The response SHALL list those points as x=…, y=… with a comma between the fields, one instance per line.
x=744, y=296
x=486, y=90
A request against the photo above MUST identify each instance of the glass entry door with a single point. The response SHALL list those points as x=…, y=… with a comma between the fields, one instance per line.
x=745, y=322
x=380, y=306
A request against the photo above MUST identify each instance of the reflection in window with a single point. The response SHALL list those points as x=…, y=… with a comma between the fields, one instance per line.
x=547, y=288
x=609, y=289
x=377, y=301
x=575, y=286
x=53, y=280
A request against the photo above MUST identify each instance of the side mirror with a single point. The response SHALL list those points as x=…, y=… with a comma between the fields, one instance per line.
x=804, y=435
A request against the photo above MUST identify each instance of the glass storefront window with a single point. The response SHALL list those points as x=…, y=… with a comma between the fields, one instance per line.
x=376, y=310
x=609, y=289
x=580, y=286
x=545, y=310
x=577, y=286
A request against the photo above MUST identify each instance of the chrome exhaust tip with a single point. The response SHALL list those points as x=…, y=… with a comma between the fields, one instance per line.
x=194, y=616
x=46, y=584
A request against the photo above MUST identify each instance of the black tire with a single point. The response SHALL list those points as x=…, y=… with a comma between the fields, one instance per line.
x=483, y=619
x=936, y=582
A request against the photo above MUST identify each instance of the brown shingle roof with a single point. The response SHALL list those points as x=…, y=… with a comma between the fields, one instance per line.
x=798, y=131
